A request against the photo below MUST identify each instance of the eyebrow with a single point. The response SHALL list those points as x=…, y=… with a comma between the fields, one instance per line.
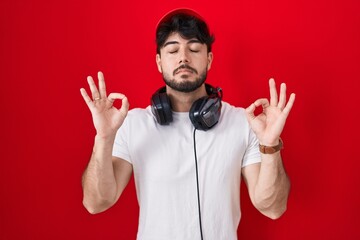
x=176, y=42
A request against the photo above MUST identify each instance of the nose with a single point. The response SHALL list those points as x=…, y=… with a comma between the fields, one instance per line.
x=183, y=57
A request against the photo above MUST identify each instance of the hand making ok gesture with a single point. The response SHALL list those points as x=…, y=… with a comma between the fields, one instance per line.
x=269, y=124
x=107, y=118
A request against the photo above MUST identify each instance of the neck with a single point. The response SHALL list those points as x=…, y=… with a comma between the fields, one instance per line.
x=182, y=102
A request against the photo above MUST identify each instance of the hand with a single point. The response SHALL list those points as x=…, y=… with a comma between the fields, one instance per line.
x=107, y=119
x=269, y=124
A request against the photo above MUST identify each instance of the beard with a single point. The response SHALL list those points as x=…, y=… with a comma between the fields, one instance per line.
x=185, y=85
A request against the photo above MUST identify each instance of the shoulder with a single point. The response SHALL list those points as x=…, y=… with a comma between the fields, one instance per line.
x=139, y=112
x=139, y=116
x=233, y=118
x=229, y=110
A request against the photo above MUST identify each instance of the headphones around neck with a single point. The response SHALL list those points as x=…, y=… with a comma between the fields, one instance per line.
x=204, y=112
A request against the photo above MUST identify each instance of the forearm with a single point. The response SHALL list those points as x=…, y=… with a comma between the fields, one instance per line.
x=273, y=186
x=99, y=184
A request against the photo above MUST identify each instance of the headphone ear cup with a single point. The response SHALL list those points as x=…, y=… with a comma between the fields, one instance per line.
x=161, y=107
x=205, y=113
x=167, y=112
x=195, y=114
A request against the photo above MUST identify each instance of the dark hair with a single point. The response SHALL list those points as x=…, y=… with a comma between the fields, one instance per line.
x=187, y=26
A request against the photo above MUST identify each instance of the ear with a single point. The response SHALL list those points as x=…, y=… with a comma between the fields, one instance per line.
x=210, y=59
x=158, y=62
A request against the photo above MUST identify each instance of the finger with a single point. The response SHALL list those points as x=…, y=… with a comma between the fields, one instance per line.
x=86, y=98
x=113, y=96
x=124, y=102
x=250, y=112
x=282, y=98
x=94, y=91
x=262, y=102
x=124, y=106
x=273, y=93
x=102, y=87
x=290, y=104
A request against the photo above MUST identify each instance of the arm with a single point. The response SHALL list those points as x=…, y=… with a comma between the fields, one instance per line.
x=268, y=185
x=267, y=182
x=105, y=176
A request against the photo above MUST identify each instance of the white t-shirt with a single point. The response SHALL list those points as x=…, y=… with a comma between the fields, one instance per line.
x=165, y=176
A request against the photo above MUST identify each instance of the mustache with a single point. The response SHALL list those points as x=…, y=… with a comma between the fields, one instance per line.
x=185, y=66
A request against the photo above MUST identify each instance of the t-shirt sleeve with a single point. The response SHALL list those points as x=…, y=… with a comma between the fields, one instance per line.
x=121, y=143
x=252, y=153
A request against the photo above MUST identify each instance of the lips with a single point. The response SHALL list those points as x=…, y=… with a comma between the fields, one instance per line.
x=184, y=69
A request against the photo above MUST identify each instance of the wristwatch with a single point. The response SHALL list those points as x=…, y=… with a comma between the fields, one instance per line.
x=269, y=150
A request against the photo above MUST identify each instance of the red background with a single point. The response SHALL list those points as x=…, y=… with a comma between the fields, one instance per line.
x=47, y=48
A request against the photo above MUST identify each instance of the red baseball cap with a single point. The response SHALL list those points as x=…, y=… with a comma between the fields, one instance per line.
x=187, y=11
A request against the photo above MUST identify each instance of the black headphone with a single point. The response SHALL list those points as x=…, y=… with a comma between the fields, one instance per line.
x=204, y=112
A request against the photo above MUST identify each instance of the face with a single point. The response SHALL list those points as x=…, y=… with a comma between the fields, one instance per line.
x=183, y=63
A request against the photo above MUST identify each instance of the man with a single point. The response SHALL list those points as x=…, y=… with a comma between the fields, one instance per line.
x=187, y=170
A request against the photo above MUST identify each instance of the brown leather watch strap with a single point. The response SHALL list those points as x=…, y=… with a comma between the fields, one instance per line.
x=269, y=150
